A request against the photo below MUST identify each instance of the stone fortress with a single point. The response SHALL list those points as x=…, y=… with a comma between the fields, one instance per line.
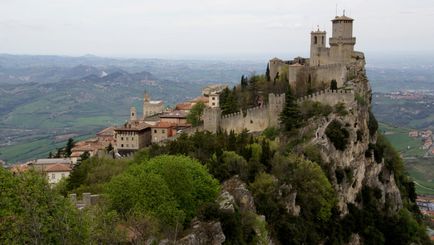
x=325, y=63
x=337, y=62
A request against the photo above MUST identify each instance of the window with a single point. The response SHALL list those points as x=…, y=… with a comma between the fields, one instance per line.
x=213, y=98
x=128, y=145
x=127, y=138
x=53, y=176
x=163, y=131
x=122, y=145
x=155, y=131
x=251, y=121
x=122, y=138
x=315, y=40
x=132, y=138
x=322, y=42
x=132, y=114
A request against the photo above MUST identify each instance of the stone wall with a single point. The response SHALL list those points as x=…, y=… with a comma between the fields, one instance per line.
x=323, y=74
x=256, y=119
x=331, y=97
x=259, y=118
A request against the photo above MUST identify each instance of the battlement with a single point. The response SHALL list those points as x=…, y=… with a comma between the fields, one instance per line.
x=330, y=97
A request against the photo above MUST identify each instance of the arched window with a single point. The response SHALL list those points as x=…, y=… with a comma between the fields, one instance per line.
x=315, y=40
x=322, y=41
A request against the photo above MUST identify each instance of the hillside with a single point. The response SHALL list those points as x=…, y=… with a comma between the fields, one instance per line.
x=46, y=99
x=326, y=177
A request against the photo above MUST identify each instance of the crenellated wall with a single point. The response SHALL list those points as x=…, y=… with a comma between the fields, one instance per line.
x=259, y=118
x=331, y=97
x=256, y=119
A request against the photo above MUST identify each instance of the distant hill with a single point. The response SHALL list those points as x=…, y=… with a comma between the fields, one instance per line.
x=43, y=98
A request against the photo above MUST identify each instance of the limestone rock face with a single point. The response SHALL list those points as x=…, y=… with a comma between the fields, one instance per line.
x=242, y=196
x=204, y=233
x=354, y=169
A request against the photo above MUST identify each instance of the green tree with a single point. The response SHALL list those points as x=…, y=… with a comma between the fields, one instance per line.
x=338, y=135
x=69, y=146
x=267, y=73
x=195, y=115
x=169, y=188
x=84, y=156
x=33, y=213
x=109, y=148
x=333, y=85
x=291, y=115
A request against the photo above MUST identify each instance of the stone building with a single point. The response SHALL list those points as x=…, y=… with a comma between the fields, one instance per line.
x=151, y=107
x=162, y=131
x=325, y=63
x=131, y=137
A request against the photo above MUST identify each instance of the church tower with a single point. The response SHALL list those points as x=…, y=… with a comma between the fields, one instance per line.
x=342, y=41
x=133, y=114
x=317, y=46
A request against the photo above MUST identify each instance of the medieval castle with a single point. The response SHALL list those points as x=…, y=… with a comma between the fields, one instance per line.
x=325, y=64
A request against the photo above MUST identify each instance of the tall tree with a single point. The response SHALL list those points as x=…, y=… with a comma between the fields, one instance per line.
x=291, y=115
x=195, y=115
x=69, y=146
x=267, y=73
x=333, y=85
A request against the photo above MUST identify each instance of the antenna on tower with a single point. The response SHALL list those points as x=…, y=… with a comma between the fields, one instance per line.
x=336, y=13
x=344, y=12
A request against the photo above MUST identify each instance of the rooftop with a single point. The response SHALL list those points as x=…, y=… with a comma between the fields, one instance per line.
x=343, y=17
x=106, y=132
x=53, y=161
x=174, y=114
x=58, y=167
x=133, y=126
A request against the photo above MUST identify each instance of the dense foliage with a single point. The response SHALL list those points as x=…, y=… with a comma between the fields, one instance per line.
x=195, y=114
x=32, y=213
x=338, y=135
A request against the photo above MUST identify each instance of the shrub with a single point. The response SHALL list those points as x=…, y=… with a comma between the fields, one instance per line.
x=340, y=109
x=372, y=124
x=170, y=188
x=338, y=135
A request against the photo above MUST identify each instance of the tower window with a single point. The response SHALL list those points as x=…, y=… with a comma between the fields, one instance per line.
x=315, y=40
x=322, y=41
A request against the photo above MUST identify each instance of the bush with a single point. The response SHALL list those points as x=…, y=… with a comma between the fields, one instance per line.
x=372, y=124
x=338, y=135
x=340, y=109
x=169, y=188
x=314, y=109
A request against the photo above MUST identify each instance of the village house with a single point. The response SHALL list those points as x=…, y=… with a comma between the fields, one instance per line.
x=92, y=146
x=163, y=131
x=177, y=117
x=55, y=169
x=132, y=136
x=56, y=172
x=413, y=134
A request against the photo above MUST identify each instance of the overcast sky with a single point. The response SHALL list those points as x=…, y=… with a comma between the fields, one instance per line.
x=204, y=28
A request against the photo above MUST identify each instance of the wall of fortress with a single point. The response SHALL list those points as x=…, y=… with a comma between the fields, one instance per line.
x=259, y=118
x=330, y=97
x=319, y=74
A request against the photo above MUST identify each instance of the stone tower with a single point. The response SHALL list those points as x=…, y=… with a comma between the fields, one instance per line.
x=342, y=41
x=211, y=119
x=317, y=47
x=146, y=101
x=133, y=114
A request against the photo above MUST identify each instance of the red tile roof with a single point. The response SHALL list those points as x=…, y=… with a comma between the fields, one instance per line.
x=58, y=167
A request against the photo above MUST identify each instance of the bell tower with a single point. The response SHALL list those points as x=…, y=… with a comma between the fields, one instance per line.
x=133, y=114
x=317, y=44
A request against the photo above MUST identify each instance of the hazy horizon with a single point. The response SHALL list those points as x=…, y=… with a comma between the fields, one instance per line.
x=203, y=29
